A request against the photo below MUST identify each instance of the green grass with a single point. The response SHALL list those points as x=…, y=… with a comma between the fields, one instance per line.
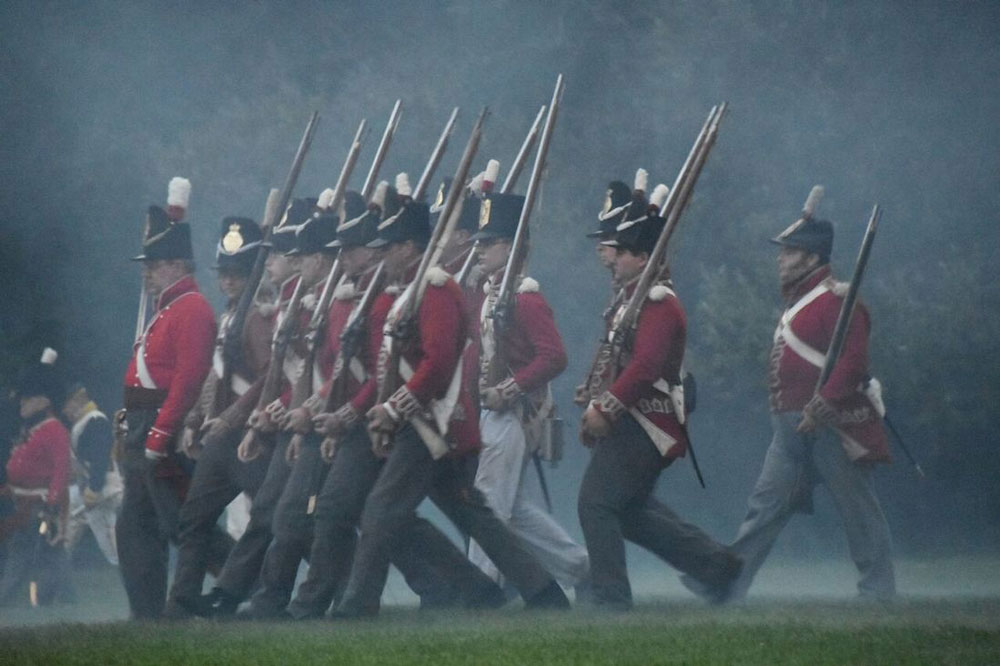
x=910, y=632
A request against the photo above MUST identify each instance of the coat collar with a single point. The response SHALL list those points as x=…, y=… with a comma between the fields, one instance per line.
x=793, y=292
x=183, y=286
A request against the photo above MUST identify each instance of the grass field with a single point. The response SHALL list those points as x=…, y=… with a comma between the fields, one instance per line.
x=949, y=614
x=772, y=632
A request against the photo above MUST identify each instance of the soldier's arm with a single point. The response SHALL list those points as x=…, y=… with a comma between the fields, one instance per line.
x=658, y=330
x=534, y=316
x=58, y=448
x=193, y=337
x=851, y=367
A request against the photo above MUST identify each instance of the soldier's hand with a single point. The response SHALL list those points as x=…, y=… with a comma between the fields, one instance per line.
x=271, y=416
x=328, y=448
x=294, y=448
x=807, y=424
x=190, y=445
x=250, y=446
x=594, y=425
x=492, y=400
x=90, y=498
x=297, y=420
x=581, y=396
x=381, y=426
x=213, y=429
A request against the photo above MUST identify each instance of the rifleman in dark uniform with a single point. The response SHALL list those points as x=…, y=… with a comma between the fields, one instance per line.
x=214, y=427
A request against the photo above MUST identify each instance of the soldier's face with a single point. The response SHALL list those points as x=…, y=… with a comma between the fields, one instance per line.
x=628, y=265
x=314, y=267
x=160, y=274
x=33, y=404
x=232, y=283
x=794, y=263
x=398, y=257
x=606, y=255
x=278, y=267
x=493, y=254
x=356, y=259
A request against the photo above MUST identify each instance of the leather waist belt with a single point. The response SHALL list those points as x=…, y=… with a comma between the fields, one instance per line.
x=137, y=397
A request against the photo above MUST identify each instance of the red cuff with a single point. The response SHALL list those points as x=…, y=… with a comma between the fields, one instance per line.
x=158, y=440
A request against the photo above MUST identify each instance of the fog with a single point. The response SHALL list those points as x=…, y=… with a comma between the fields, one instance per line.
x=888, y=102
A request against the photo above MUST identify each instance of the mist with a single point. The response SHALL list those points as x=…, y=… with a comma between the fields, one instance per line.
x=887, y=102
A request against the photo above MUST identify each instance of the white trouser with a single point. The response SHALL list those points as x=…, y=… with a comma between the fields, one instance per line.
x=100, y=518
x=502, y=479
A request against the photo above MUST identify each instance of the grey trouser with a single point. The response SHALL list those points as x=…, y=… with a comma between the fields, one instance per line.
x=218, y=477
x=243, y=566
x=774, y=497
x=617, y=503
x=431, y=564
x=407, y=477
x=291, y=527
x=149, y=518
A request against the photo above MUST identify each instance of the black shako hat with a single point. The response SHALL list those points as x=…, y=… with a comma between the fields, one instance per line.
x=239, y=243
x=809, y=234
x=282, y=239
x=498, y=216
x=42, y=378
x=315, y=234
x=469, y=217
x=616, y=202
x=360, y=223
x=412, y=222
x=164, y=238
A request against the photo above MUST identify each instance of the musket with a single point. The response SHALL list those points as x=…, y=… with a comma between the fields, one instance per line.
x=844, y=322
x=233, y=341
x=352, y=159
x=503, y=307
x=522, y=155
x=850, y=298
x=350, y=341
x=676, y=201
x=279, y=347
x=420, y=192
x=383, y=149
x=404, y=328
x=508, y=186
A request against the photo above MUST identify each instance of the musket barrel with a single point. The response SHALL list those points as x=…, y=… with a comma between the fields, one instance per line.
x=522, y=155
x=442, y=144
x=383, y=148
x=847, y=307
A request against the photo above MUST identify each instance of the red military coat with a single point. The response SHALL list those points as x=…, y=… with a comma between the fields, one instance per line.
x=433, y=357
x=650, y=366
x=800, y=344
x=345, y=300
x=41, y=463
x=176, y=352
x=530, y=345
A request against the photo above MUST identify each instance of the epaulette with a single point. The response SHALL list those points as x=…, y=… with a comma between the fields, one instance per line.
x=528, y=286
x=267, y=309
x=839, y=288
x=659, y=292
x=343, y=292
x=437, y=276
x=309, y=302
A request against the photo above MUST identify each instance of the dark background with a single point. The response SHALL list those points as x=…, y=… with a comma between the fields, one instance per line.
x=889, y=102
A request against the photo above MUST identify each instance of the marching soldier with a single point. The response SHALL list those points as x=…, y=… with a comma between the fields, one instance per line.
x=516, y=399
x=303, y=468
x=635, y=433
x=429, y=562
x=96, y=498
x=38, y=474
x=214, y=427
x=833, y=437
x=169, y=363
x=242, y=567
x=410, y=429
